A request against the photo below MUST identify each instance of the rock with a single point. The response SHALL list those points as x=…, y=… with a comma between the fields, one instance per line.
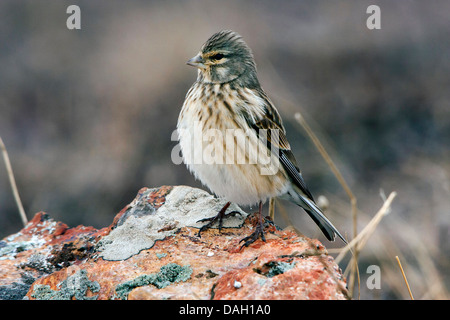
x=42, y=247
x=152, y=251
x=161, y=216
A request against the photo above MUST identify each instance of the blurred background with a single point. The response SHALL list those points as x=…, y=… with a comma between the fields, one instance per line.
x=87, y=115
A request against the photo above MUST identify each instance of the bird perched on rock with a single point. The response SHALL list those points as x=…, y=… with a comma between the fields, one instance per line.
x=232, y=137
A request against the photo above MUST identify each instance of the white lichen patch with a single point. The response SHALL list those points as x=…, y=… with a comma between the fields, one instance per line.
x=183, y=207
x=9, y=250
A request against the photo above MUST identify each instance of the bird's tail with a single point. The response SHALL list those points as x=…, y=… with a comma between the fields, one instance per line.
x=319, y=218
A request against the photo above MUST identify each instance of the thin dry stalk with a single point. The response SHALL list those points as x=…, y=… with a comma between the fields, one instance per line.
x=404, y=277
x=272, y=209
x=12, y=182
x=333, y=167
x=354, y=263
x=423, y=256
x=360, y=240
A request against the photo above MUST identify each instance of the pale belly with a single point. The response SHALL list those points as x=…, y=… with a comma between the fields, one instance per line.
x=241, y=184
x=232, y=164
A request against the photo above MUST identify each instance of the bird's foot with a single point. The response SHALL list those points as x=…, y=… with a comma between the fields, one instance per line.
x=220, y=217
x=258, y=233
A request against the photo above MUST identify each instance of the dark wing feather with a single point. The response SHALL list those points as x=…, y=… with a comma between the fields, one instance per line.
x=272, y=120
x=294, y=173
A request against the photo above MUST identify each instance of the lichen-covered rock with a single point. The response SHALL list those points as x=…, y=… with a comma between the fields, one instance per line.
x=157, y=214
x=74, y=286
x=152, y=251
x=41, y=248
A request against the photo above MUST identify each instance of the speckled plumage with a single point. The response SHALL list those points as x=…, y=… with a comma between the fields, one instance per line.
x=227, y=97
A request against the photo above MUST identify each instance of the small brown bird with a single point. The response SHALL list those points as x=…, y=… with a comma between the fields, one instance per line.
x=233, y=140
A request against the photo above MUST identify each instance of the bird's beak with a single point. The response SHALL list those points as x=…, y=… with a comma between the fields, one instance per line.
x=197, y=61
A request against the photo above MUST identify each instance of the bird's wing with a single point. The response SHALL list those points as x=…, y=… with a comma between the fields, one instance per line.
x=272, y=121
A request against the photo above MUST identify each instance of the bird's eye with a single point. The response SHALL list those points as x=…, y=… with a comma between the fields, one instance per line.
x=217, y=56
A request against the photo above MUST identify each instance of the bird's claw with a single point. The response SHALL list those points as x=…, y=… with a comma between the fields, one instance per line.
x=259, y=232
x=220, y=216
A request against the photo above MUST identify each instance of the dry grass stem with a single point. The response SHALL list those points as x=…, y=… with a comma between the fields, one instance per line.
x=331, y=164
x=272, y=208
x=354, y=263
x=360, y=240
x=12, y=181
x=404, y=277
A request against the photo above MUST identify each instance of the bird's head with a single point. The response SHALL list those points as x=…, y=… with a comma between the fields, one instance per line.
x=223, y=58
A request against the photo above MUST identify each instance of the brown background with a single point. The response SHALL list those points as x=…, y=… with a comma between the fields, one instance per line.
x=87, y=115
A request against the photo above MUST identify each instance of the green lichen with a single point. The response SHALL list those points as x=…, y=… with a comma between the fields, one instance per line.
x=75, y=286
x=9, y=250
x=279, y=268
x=44, y=292
x=168, y=274
x=161, y=255
x=274, y=268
